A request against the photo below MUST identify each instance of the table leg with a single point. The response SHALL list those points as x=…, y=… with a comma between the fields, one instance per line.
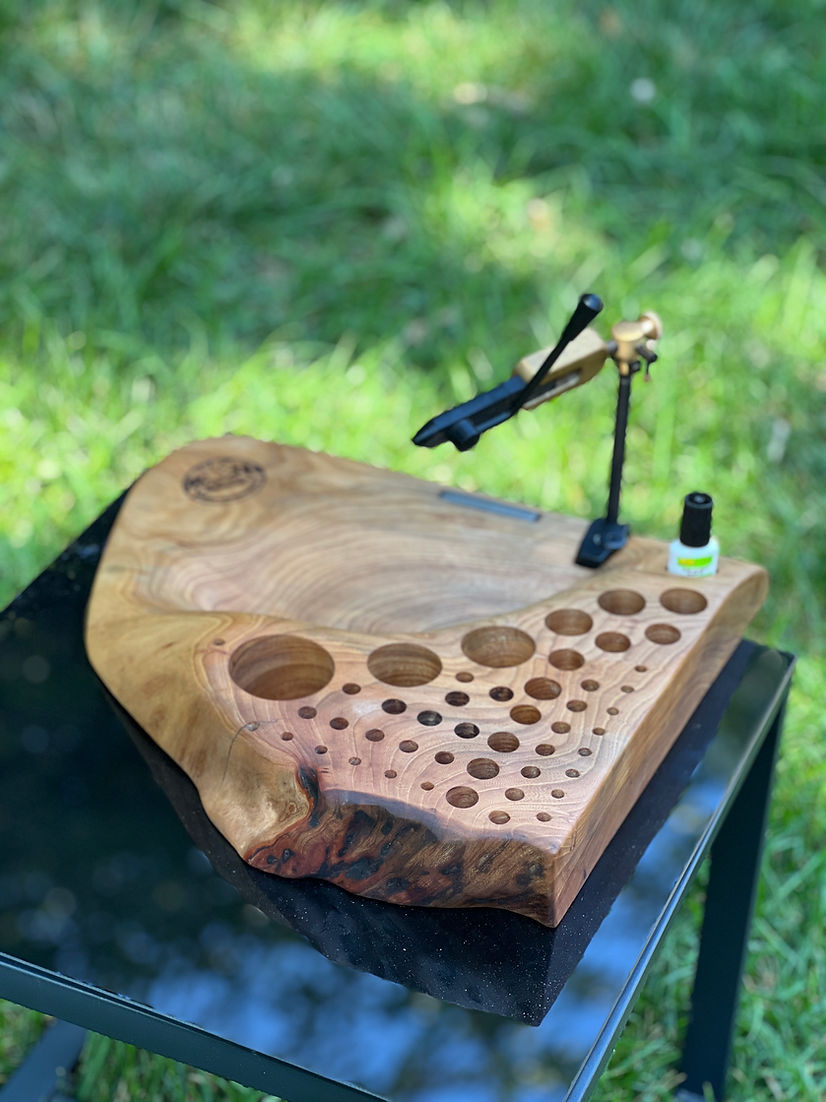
x=732, y=884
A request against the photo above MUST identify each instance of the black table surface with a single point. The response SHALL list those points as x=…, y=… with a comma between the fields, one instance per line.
x=111, y=874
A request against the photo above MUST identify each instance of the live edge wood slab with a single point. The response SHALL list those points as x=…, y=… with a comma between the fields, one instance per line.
x=413, y=693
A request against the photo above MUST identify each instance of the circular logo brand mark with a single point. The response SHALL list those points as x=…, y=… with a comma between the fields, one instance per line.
x=223, y=478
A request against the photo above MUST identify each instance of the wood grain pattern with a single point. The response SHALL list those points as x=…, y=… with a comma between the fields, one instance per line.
x=393, y=689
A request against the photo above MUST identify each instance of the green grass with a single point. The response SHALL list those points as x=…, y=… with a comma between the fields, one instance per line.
x=321, y=222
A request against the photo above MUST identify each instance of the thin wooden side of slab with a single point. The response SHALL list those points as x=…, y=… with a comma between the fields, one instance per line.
x=411, y=696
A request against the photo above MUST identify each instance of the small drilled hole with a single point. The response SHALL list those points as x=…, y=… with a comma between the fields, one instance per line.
x=499, y=817
x=501, y=692
x=444, y=757
x=626, y=688
x=598, y=731
x=427, y=786
x=351, y=688
x=462, y=796
x=542, y=688
x=621, y=602
x=482, y=769
x=557, y=793
x=404, y=664
x=338, y=723
x=613, y=711
x=544, y=749
x=514, y=794
x=219, y=642
x=569, y=621
x=287, y=735
x=576, y=705
x=464, y=675
x=663, y=634
x=390, y=774
x=641, y=669
x=571, y=772
x=686, y=602
x=590, y=686
x=307, y=712
x=429, y=719
x=613, y=641
x=457, y=700
x=408, y=746
x=321, y=749
x=560, y=728
x=503, y=741
x=531, y=772
x=394, y=707
x=525, y=713
x=584, y=752
x=543, y=816
x=375, y=735
x=466, y=730
x=566, y=659
x=355, y=761
x=497, y=646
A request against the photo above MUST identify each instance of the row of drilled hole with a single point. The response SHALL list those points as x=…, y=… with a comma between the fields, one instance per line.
x=286, y=667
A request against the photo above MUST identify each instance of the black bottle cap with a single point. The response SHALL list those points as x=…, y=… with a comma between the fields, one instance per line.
x=695, y=529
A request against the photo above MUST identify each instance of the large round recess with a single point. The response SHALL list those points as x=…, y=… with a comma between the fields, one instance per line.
x=621, y=602
x=404, y=664
x=497, y=645
x=685, y=602
x=281, y=667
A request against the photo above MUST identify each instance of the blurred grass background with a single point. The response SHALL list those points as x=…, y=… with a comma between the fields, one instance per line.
x=321, y=222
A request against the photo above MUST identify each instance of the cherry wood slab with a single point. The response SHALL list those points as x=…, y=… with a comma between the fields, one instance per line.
x=407, y=691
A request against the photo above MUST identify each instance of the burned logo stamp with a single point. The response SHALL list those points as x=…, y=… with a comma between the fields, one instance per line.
x=223, y=478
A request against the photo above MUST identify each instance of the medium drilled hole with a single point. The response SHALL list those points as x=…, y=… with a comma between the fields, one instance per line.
x=464, y=675
x=457, y=700
x=321, y=749
x=287, y=735
x=569, y=621
x=429, y=719
x=351, y=688
x=626, y=688
x=613, y=641
x=482, y=769
x=281, y=667
x=544, y=749
x=503, y=741
x=566, y=659
x=621, y=602
x=589, y=685
x=560, y=728
x=514, y=794
x=571, y=772
x=354, y=761
x=584, y=752
x=462, y=796
x=466, y=730
x=390, y=774
x=663, y=634
x=426, y=786
x=374, y=735
x=444, y=757
x=498, y=646
x=307, y=712
x=686, y=602
x=394, y=707
x=613, y=711
x=598, y=730
x=501, y=693
x=543, y=688
x=576, y=705
x=530, y=771
x=525, y=713
x=404, y=664
x=408, y=746
x=499, y=817
x=557, y=793
x=339, y=723
x=543, y=816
